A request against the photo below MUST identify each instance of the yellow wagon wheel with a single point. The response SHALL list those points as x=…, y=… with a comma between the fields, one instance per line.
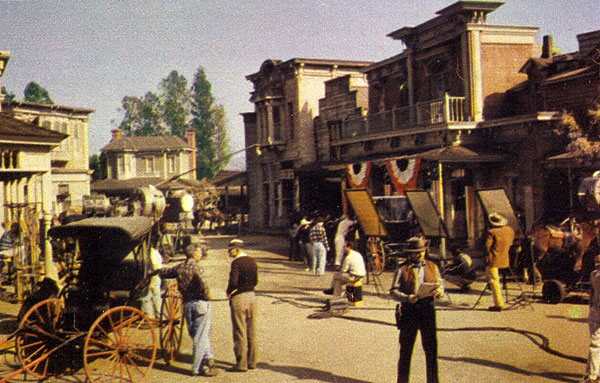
x=171, y=323
x=376, y=255
x=118, y=347
x=39, y=332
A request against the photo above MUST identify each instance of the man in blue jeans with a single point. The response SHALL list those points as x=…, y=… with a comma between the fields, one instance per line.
x=196, y=307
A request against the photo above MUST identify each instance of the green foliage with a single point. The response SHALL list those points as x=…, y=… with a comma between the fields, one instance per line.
x=177, y=108
x=95, y=167
x=7, y=96
x=35, y=93
x=175, y=103
x=584, y=136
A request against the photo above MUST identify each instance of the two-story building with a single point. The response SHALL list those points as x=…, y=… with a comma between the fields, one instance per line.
x=127, y=157
x=280, y=135
x=465, y=106
x=70, y=174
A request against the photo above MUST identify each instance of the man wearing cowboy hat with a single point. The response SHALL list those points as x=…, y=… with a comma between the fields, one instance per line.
x=418, y=309
x=499, y=239
x=243, y=278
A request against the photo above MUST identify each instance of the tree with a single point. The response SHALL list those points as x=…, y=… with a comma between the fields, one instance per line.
x=95, y=167
x=584, y=142
x=177, y=108
x=35, y=93
x=7, y=96
x=175, y=99
x=143, y=116
x=204, y=125
x=223, y=151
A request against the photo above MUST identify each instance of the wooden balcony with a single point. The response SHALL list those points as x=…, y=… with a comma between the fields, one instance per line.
x=446, y=110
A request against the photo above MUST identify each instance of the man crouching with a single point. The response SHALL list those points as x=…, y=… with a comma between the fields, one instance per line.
x=352, y=270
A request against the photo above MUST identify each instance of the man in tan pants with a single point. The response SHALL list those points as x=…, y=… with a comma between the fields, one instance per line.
x=243, y=278
x=499, y=239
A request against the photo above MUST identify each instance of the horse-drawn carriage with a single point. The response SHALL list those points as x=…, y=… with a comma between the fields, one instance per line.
x=94, y=324
x=386, y=222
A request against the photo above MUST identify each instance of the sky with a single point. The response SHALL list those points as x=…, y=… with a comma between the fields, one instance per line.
x=91, y=54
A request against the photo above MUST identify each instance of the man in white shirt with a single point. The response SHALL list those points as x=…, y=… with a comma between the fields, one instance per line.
x=342, y=230
x=352, y=270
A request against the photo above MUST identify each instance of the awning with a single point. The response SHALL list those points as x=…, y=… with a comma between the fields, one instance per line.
x=572, y=160
x=458, y=154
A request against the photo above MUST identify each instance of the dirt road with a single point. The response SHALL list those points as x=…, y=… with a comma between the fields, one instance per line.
x=298, y=343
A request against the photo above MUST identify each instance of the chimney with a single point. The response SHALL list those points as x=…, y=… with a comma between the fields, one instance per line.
x=547, y=47
x=190, y=135
x=116, y=134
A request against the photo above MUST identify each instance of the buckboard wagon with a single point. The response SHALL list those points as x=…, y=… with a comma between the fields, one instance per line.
x=94, y=323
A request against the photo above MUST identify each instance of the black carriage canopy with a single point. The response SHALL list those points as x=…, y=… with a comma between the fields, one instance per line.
x=110, y=239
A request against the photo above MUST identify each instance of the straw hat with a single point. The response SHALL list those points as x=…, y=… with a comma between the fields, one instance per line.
x=497, y=220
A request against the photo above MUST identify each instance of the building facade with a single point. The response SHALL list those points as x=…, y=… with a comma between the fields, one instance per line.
x=280, y=134
x=70, y=175
x=159, y=157
x=465, y=107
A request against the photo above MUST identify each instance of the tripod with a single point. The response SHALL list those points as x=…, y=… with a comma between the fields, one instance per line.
x=521, y=300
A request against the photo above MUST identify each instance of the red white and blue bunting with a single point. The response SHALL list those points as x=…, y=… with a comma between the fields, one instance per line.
x=403, y=173
x=358, y=174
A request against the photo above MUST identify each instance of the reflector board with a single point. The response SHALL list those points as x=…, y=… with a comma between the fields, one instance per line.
x=427, y=213
x=496, y=201
x=363, y=207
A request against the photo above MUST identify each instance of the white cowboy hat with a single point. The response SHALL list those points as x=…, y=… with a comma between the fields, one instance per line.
x=497, y=220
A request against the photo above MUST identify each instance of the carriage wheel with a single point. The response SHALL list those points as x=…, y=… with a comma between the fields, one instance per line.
x=376, y=255
x=37, y=336
x=118, y=346
x=553, y=291
x=171, y=324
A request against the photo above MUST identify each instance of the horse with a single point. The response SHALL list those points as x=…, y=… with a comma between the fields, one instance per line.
x=573, y=236
x=213, y=216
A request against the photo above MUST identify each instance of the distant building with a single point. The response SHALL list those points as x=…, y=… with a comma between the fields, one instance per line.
x=161, y=157
x=25, y=163
x=70, y=174
x=286, y=100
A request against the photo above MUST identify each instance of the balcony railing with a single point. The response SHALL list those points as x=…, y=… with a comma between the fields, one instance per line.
x=441, y=111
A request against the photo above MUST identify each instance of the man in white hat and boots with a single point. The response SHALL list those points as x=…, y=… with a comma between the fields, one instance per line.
x=243, y=278
x=499, y=239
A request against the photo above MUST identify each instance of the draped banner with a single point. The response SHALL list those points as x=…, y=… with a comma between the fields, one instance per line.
x=358, y=174
x=403, y=173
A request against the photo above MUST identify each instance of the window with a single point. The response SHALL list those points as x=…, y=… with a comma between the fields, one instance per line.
x=171, y=163
x=9, y=159
x=438, y=78
x=276, y=123
x=121, y=164
x=150, y=165
x=290, y=107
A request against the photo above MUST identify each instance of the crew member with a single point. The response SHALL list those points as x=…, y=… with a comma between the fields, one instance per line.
x=243, y=278
x=499, y=239
x=352, y=270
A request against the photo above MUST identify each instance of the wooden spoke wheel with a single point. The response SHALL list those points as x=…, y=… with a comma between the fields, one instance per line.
x=171, y=323
x=118, y=347
x=376, y=255
x=40, y=332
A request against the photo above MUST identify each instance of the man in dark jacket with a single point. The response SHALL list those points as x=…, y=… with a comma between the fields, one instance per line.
x=243, y=278
x=196, y=307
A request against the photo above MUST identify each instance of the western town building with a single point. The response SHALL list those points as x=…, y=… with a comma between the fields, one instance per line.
x=280, y=134
x=44, y=154
x=158, y=157
x=464, y=106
